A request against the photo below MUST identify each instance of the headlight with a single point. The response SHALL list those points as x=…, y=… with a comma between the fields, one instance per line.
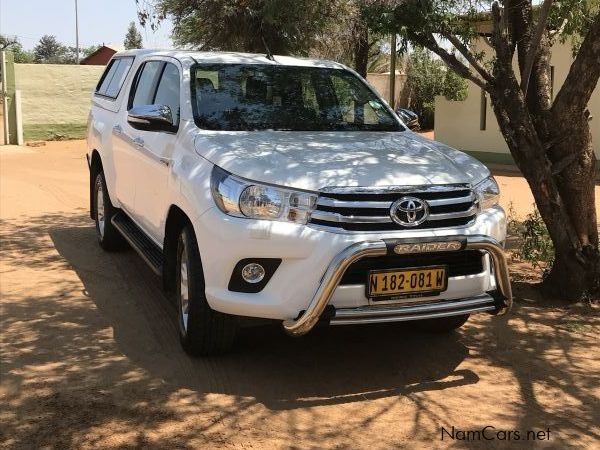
x=487, y=193
x=243, y=198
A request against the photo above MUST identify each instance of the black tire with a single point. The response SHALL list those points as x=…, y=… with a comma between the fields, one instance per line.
x=108, y=236
x=443, y=324
x=206, y=332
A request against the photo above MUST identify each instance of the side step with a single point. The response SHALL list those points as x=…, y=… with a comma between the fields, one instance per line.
x=147, y=249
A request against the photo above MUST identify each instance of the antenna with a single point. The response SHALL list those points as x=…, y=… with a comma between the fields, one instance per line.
x=269, y=54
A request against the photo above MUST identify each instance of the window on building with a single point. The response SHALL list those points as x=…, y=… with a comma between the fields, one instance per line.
x=483, y=111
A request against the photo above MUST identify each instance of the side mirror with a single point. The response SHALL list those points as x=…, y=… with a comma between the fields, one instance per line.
x=151, y=118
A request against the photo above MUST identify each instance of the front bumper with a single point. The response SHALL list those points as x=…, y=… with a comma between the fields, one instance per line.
x=307, y=253
x=498, y=300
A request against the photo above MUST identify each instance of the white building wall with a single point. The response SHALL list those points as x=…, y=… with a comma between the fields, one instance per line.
x=457, y=123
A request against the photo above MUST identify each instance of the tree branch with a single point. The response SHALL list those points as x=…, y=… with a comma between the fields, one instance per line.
x=462, y=48
x=429, y=42
x=535, y=44
x=500, y=41
x=6, y=42
x=583, y=75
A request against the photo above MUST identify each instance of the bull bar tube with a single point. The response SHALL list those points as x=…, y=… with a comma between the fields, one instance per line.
x=497, y=302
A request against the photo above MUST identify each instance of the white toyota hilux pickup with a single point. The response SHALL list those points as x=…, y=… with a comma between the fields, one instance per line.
x=287, y=189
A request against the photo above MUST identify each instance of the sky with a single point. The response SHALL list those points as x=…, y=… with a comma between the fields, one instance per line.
x=100, y=21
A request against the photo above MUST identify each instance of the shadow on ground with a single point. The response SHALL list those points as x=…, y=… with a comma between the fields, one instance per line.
x=328, y=366
x=90, y=354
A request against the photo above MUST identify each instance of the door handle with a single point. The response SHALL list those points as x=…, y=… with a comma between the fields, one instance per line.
x=138, y=142
x=117, y=129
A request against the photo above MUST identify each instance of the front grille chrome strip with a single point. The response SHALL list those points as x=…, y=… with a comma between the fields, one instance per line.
x=454, y=215
x=451, y=201
x=339, y=218
x=335, y=217
x=363, y=209
x=333, y=203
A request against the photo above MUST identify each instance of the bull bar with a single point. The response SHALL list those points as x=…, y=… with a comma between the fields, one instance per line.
x=497, y=302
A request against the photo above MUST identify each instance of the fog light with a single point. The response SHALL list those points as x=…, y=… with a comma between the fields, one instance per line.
x=253, y=273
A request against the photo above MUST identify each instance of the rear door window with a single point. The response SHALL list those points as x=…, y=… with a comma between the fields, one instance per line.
x=157, y=83
x=146, y=83
x=167, y=92
x=114, y=76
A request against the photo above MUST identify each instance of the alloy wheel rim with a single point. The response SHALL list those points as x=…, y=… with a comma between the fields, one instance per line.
x=184, y=295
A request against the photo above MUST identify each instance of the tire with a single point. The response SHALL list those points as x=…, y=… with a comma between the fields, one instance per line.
x=443, y=324
x=202, y=331
x=108, y=236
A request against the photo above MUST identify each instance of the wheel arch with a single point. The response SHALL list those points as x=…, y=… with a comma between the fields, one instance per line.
x=176, y=220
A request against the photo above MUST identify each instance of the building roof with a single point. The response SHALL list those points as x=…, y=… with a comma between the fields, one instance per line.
x=113, y=48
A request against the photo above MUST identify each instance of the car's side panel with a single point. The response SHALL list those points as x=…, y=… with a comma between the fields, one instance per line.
x=104, y=116
x=152, y=155
x=188, y=185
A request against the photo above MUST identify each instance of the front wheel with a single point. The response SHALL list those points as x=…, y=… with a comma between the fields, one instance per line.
x=202, y=330
x=443, y=324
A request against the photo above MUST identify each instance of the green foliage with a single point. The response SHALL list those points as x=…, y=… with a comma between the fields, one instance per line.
x=133, y=38
x=427, y=77
x=13, y=45
x=536, y=245
x=7, y=42
x=287, y=26
x=416, y=18
x=87, y=51
x=573, y=18
x=415, y=21
x=23, y=56
x=49, y=51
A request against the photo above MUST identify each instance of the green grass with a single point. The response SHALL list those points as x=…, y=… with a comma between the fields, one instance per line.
x=54, y=132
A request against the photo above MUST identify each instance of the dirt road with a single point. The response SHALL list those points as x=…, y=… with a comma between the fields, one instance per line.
x=90, y=356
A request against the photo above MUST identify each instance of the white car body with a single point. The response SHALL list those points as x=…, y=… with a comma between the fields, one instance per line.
x=148, y=173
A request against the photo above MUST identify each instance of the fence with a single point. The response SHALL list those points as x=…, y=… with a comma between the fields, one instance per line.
x=55, y=98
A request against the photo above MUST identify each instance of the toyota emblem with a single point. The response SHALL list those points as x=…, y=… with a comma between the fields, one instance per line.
x=409, y=211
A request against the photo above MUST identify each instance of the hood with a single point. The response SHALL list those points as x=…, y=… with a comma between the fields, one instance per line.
x=314, y=160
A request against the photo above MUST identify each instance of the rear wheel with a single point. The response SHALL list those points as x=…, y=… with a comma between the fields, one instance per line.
x=443, y=324
x=202, y=330
x=108, y=236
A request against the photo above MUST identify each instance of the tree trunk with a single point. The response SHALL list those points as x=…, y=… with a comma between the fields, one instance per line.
x=574, y=167
x=551, y=145
x=361, y=48
x=549, y=140
x=563, y=191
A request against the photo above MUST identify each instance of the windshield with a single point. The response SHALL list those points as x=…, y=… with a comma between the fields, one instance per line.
x=239, y=97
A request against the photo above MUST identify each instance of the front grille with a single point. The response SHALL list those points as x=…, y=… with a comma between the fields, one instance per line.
x=467, y=262
x=363, y=209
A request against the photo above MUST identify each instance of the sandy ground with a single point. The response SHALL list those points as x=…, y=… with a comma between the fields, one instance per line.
x=90, y=356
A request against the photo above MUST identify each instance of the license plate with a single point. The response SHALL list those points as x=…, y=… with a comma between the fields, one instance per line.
x=410, y=282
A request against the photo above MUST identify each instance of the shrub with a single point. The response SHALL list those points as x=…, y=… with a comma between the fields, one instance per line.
x=536, y=245
x=427, y=77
